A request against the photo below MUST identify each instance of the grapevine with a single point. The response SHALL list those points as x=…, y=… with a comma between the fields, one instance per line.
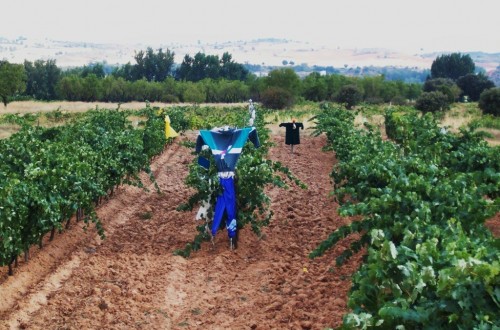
x=422, y=199
x=48, y=175
x=254, y=172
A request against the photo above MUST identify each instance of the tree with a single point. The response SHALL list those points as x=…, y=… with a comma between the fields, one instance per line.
x=42, y=78
x=256, y=86
x=452, y=66
x=473, y=85
x=12, y=80
x=91, y=91
x=198, y=68
x=232, y=91
x=209, y=66
x=432, y=102
x=314, y=87
x=193, y=93
x=183, y=72
x=444, y=85
x=97, y=69
x=231, y=70
x=151, y=66
x=276, y=98
x=413, y=90
x=163, y=64
x=350, y=95
x=373, y=87
x=285, y=78
x=282, y=87
x=334, y=83
x=489, y=101
x=212, y=66
x=114, y=89
x=390, y=89
x=125, y=71
x=70, y=88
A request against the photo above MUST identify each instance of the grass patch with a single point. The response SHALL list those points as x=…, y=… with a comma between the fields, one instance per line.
x=184, y=323
x=162, y=312
x=196, y=311
x=146, y=215
x=488, y=121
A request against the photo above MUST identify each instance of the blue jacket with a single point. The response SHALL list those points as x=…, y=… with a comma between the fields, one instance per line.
x=227, y=144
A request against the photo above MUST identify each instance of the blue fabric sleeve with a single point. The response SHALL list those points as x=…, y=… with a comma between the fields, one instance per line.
x=203, y=162
x=199, y=143
x=254, y=138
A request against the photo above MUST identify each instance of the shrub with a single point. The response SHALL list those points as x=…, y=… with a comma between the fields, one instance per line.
x=473, y=85
x=444, y=85
x=350, y=95
x=276, y=98
x=374, y=100
x=194, y=93
x=489, y=101
x=399, y=100
x=432, y=102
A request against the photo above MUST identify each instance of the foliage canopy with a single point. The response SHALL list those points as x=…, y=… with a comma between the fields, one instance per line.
x=452, y=66
x=12, y=80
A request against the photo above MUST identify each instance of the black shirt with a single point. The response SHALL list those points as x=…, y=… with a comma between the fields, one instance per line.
x=292, y=132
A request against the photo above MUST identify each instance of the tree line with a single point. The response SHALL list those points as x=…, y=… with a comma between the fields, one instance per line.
x=453, y=79
x=204, y=78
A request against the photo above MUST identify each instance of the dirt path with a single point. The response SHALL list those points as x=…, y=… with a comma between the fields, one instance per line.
x=131, y=280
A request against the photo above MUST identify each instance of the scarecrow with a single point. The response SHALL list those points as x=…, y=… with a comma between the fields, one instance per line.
x=226, y=145
x=251, y=112
x=292, y=136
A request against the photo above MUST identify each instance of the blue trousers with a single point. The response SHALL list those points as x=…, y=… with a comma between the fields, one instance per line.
x=226, y=202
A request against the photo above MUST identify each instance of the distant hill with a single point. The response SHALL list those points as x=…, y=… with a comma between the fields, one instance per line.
x=269, y=52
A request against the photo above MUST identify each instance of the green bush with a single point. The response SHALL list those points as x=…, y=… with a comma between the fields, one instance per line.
x=194, y=94
x=399, y=100
x=489, y=101
x=374, y=100
x=444, y=85
x=349, y=95
x=432, y=102
x=276, y=98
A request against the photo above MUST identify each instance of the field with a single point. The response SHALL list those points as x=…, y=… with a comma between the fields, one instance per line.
x=133, y=280
x=23, y=107
x=458, y=116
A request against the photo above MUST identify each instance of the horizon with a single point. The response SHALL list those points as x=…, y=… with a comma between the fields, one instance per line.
x=428, y=26
x=267, y=52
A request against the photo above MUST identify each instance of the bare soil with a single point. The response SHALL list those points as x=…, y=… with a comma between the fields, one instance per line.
x=132, y=279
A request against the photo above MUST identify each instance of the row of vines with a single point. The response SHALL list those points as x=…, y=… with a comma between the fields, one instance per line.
x=49, y=175
x=254, y=172
x=420, y=201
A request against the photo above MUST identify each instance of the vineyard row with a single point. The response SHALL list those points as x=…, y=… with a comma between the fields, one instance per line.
x=48, y=175
x=422, y=199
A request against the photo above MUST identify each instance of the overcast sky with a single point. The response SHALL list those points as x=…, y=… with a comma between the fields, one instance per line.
x=433, y=25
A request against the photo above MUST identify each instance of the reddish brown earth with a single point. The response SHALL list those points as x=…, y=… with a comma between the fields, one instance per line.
x=132, y=280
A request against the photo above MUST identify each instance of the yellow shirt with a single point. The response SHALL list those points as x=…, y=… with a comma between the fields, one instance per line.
x=169, y=131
